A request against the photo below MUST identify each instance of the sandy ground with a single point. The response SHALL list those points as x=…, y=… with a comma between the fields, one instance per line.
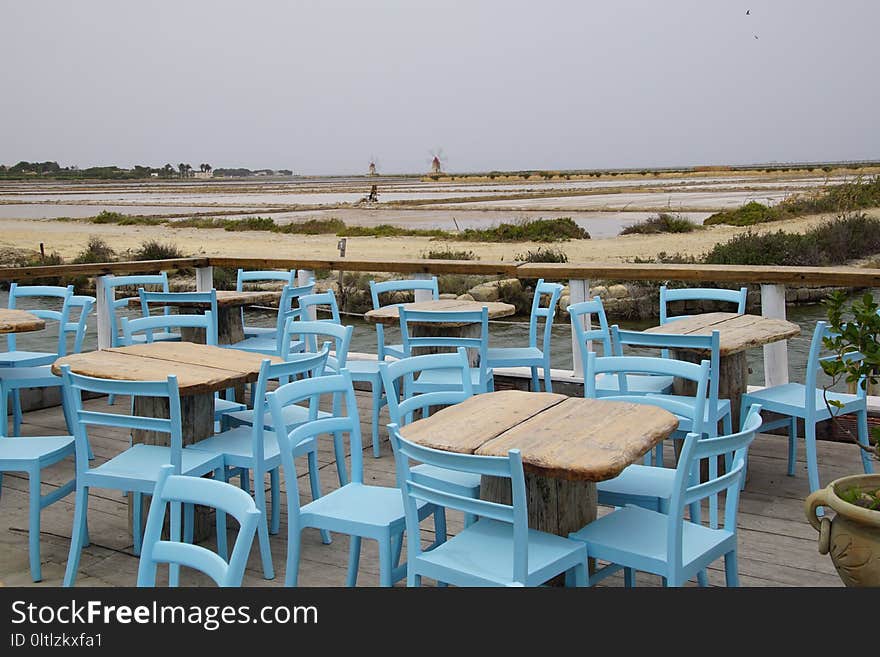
x=68, y=238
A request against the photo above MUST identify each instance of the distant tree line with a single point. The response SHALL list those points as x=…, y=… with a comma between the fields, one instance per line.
x=25, y=170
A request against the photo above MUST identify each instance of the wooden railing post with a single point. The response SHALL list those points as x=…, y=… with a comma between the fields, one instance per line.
x=578, y=291
x=204, y=279
x=422, y=295
x=103, y=312
x=304, y=276
x=775, y=354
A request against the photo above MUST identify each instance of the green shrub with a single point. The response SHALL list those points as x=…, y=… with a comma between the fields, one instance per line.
x=155, y=250
x=516, y=295
x=448, y=253
x=531, y=230
x=542, y=254
x=748, y=215
x=664, y=222
x=97, y=250
x=388, y=230
x=313, y=227
x=107, y=217
x=250, y=223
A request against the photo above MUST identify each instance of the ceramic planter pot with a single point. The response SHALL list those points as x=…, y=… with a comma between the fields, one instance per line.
x=852, y=537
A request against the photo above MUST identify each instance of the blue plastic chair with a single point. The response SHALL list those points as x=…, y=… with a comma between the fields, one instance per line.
x=243, y=277
x=356, y=509
x=700, y=294
x=316, y=300
x=13, y=379
x=253, y=446
x=14, y=357
x=499, y=549
x=146, y=326
x=533, y=356
x=398, y=376
x=806, y=401
x=113, y=304
x=482, y=378
x=717, y=410
x=269, y=343
x=136, y=469
x=176, y=489
x=408, y=285
x=32, y=454
x=637, y=384
x=149, y=301
x=634, y=538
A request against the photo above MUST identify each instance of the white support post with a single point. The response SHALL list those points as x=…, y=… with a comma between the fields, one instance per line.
x=422, y=295
x=304, y=277
x=204, y=279
x=103, y=312
x=775, y=354
x=578, y=291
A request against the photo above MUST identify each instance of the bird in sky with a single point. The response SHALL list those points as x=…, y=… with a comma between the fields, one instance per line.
x=748, y=12
x=756, y=36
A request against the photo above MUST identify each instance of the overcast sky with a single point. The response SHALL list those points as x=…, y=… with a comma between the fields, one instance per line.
x=322, y=87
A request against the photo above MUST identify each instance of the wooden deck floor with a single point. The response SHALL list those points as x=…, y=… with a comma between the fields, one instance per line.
x=776, y=545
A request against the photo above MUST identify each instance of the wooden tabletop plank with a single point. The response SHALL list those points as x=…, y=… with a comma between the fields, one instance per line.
x=737, y=332
x=13, y=320
x=225, y=299
x=464, y=427
x=200, y=354
x=144, y=363
x=390, y=314
x=584, y=439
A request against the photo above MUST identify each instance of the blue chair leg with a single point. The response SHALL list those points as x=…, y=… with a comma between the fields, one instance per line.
x=137, y=525
x=703, y=578
x=867, y=464
x=16, y=413
x=713, y=499
x=377, y=403
x=34, y=522
x=576, y=576
x=174, y=532
x=274, y=501
x=413, y=580
x=792, y=445
x=291, y=573
x=4, y=411
x=629, y=578
x=386, y=567
x=354, y=558
x=315, y=485
x=189, y=522
x=548, y=379
x=731, y=572
x=263, y=527
x=77, y=534
x=812, y=459
x=244, y=480
x=439, y=526
x=536, y=385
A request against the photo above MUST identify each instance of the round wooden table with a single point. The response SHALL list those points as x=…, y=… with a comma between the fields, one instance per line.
x=567, y=445
x=389, y=315
x=738, y=333
x=201, y=371
x=13, y=320
x=230, y=327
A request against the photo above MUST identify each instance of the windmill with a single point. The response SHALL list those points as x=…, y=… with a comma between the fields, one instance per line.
x=438, y=160
x=373, y=169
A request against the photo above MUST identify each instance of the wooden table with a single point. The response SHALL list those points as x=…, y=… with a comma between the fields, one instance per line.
x=19, y=321
x=201, y=371
x=738, y=333
x=230, y=328
x=567, y=445
x=389, y=315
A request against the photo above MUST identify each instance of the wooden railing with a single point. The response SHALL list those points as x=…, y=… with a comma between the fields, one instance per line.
x=771, y=279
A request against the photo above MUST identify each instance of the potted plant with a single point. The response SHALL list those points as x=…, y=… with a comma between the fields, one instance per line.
x=852, y=537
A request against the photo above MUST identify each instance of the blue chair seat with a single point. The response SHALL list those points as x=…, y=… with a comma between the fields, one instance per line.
x=684, y=424
x=357, y=509
x=265, y=344
x=447, y=379
x=238, y=444
x=293, y=416
x=497, y=355
x=643, y=485
x=487, y=548
x=158, y=336
x=437, y=477
x=789, y=399
x=635, y=383
x=260, y=331
x=395, y=351
x=29, y=377
x=26, y=358
x=225, y=406
x=142, y=462
x=364, y=370
x=42, y=448
x=634, y=531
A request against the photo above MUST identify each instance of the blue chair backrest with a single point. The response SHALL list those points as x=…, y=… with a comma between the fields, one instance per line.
x=480, y=317
x=548, y=312
x=410, y=284
x=310, y=331
x=663, y=341
x=147, y=325
x=313, y=300
x=507, y=467
x=623, y=365
x=814, y=360
x=289, y=295
x=403, y=369
x=176, y=489
x=85, y=304
x=700, y=294
x=287, y=277
x=581, y=314
x=336, y=386
x=76, y=384
x=113, y=304
x=43, y=292
x=149, y=300
x=688, y=491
